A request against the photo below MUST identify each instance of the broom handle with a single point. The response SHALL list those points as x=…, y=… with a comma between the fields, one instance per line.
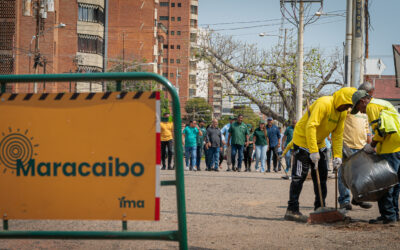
x=319, y=185
x=336, y=189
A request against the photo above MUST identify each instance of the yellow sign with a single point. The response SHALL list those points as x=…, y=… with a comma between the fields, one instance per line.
x=80, y=156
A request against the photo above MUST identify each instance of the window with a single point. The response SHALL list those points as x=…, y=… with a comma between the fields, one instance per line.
x=164, y=18
x=173, y=18
x=171, y=60
x=90, y=44
x=192, y=79
x=193, y=23
x=172, y=4
x=178, y=61
x=178, y=32
x=171, y=74
x=192, y=92
x=164, y=4
x=193, y=37
x=165, y=74
x=172, y=46
x=172, y=33
x=90, y=13
x=193, y=9
x=178, y=47
x=165, y=46
x=192, y=65
x=179, y=5
x=179, y=19
x=165, y=60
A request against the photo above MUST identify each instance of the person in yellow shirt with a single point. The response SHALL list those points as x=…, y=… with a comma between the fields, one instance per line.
x=167, y=128
x=325, y=116
x=387, y=146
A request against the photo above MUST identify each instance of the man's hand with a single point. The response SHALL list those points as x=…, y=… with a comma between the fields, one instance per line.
x=369, y=149
x=336, y=163
x=315, y=158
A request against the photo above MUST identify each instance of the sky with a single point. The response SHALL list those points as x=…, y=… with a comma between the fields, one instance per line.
x=239, y=16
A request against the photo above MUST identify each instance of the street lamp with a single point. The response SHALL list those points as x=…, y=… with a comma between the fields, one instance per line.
x=321, y=13
x=61, y=25
x=266, y=34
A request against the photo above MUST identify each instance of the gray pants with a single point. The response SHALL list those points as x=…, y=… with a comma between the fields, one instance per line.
x=228, y=158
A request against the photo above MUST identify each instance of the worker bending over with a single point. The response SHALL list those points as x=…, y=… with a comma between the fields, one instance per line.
x=326, y=115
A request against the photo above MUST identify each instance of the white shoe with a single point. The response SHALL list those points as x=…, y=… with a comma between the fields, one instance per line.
x=194, y=169
x=187, y=168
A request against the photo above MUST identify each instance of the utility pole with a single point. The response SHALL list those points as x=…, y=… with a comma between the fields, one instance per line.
x=284, y=65
x=37, y=53
x=300, y=22
x=366, y=15
x=357, y=65
x=347, y=57
x=299, y=69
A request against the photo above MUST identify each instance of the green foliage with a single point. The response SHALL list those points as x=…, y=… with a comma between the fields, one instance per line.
x=198, y=108
x=223, y=121
x=249, y=116
x=135, y=85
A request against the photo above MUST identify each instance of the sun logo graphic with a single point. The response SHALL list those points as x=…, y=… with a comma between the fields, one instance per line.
x=16, y=146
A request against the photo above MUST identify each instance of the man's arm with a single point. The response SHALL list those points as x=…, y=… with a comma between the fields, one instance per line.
x=317, y=113
x=337, y=137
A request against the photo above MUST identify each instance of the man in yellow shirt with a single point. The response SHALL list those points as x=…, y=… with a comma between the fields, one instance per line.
x=167, y=128
x=356, y=134
x=325, y=116
x=387, y=145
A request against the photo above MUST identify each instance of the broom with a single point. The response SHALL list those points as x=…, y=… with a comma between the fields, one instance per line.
x=325, y=214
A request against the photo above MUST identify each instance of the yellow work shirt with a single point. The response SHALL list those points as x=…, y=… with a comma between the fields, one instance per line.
x=167, y=129
x=355, y=132
x=389, y=143
x=310, y=132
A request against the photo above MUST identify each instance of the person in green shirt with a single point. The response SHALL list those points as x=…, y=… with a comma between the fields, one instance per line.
x=200, y=143
x=248, y=151
x=238, y=139
x=260, y=140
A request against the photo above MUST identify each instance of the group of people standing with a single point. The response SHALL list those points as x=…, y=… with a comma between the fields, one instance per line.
x=236, y=141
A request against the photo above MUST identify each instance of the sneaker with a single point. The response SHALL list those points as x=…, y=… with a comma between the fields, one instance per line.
x=163, y=168
x=238, y=169
x=365, y=205
x=268, y=171
x=216, y=169
x=378, y=220
x=187, y=168
x=295, y=216
x=228, y=170
x=346, y=205
x=194, y=169
x=198, y=169
x=170, y=168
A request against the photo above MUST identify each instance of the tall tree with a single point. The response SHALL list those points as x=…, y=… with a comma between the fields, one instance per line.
x=197, y=108
x=261, y=75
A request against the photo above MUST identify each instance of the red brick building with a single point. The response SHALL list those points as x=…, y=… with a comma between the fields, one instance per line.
x=53, y=50
x=133, y=34
x=179, y=62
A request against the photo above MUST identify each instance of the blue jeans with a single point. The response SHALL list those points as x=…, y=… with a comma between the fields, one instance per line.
x=190, y=154
x=199, y=153
x=213, y=156
x=236, y=148
x=389, y=203
x=261, y=153
x=344, y=192
x=288, y=159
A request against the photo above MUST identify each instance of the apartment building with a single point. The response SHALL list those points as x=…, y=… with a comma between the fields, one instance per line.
x=179, y=56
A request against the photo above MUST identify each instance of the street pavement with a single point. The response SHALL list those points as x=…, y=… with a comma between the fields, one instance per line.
x=230, y=210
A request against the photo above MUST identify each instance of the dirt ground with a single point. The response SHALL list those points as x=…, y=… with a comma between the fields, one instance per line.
x=227, y=210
